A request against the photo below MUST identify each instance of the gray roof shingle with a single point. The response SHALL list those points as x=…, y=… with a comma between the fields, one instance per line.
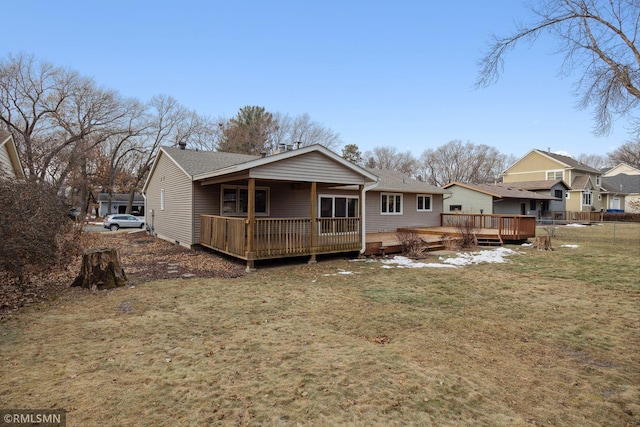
x=199, y=162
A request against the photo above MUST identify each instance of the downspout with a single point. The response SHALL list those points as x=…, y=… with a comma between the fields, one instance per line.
x=364, y=215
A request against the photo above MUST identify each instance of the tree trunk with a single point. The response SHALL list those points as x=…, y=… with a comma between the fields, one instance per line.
x=543, y=243
x=101, y=270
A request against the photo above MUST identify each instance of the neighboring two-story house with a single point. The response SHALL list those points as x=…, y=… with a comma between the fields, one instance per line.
x=10, y=165
x=584, y=192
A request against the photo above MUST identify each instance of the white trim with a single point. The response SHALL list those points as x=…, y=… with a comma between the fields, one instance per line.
x=555, y=172
x=162, y=199
x=333, y=207
x=395, y=195
x=418, y=209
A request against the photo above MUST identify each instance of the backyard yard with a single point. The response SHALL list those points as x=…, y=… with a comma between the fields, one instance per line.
x=513, y=337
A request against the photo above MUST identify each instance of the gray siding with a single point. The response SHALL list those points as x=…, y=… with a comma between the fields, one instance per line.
x=310, y=167
x=206, y=201
x=376, y=222
x=6, y=167
x=175, y=222
x=471, y=201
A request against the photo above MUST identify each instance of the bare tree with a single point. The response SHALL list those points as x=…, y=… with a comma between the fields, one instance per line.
x=595, y=161
x=55, y=115
x=628, y=153
x=463, y=162
x=598, y=38
x=391, y=159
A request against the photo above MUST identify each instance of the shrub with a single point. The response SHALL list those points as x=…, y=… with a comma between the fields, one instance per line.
x=412, y=244
x=35, y=229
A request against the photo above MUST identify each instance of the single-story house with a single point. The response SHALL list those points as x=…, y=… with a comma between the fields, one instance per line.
x=10, y=165
x=622, y=183
x=555, y=188
x=299, y=202
x=118, y=203
x=499, y=198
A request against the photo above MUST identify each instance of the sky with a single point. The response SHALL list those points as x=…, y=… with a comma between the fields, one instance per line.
x=380, y=73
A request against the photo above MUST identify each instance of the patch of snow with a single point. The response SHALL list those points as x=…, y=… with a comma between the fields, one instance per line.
x=527, y=244
x=489, y=256
x=576, y=225
x=569, y=246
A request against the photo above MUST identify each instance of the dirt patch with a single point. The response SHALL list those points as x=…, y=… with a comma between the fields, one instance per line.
x=144, y=259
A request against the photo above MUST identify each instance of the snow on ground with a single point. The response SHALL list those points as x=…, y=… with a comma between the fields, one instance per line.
x=486, y=256
x=575, y=225
x=569, y=246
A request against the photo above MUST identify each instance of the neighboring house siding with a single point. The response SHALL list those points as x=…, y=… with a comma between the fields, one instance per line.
x=313, y=167
x=376, y=222
x=471, y=201
x=532, y=168
x=6, y=167
x=175, y=222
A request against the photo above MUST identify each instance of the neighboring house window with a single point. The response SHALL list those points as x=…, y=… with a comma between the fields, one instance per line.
x=162, y=199
x=235, y=200
x=553, y=175
x=532, y=205
x=391, y=204
x=567, y=195
x=587, y=198
x=558, y=194
x=454, y=208
x=599, y=197
x=424, y=203
x=598, y=180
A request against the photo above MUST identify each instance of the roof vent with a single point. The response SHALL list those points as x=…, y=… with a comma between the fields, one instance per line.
x=182, y=145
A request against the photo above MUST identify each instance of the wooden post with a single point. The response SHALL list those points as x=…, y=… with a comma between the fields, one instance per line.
x=313, y=209
x=251, y=218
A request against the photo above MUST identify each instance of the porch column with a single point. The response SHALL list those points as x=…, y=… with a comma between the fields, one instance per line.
x=251, y=219
x=313, y=212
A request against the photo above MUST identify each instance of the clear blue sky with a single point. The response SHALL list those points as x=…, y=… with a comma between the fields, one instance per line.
x=380, y=73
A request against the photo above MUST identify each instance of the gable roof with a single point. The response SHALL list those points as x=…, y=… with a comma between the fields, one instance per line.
x=621, y=168
x=566, y=161
x=582, y=182
x=6, y=140
x=502, y=191
x=538, y=185
x=393, y=181
x=622, y=183
x=201, y=165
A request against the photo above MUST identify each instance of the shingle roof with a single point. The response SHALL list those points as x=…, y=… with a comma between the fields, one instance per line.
x=397, y=182
x=537, y=185
x=119, y=197
x=503, y=191
x=198, y=162
x=570, y=162
x=622, y=183
x=580, y=182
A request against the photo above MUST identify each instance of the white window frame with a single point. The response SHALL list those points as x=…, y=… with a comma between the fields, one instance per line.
x=162, y=199
x=238, y=188
x=555, y=174
x=589, y=196
x=567, y=195
x=424, y=196
x=598, y=180
x=384, y=203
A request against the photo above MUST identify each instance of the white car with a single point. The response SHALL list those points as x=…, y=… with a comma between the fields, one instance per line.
x=114, y=222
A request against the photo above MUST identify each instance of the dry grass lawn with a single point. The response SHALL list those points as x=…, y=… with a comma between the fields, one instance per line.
x=547, y=338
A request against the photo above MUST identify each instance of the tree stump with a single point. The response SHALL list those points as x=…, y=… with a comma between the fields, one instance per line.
x=101, y=270
x=543, y=243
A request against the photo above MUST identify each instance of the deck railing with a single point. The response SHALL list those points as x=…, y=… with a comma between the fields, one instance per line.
x=510, y=227
x=280, y=237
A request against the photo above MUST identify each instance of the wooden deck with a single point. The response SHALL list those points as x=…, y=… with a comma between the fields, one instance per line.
x=489, y=230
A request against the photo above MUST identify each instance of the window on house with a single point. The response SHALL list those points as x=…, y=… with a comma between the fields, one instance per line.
x=454, y=208
x=424, y=203
x=532, y=205
x=391, y=204
x=334, y=211
x=162, y=199
x=235, y=200
x=553, y=175
x=598, y=180
x=567, y=195
x=558, y=194
x=587, y=198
